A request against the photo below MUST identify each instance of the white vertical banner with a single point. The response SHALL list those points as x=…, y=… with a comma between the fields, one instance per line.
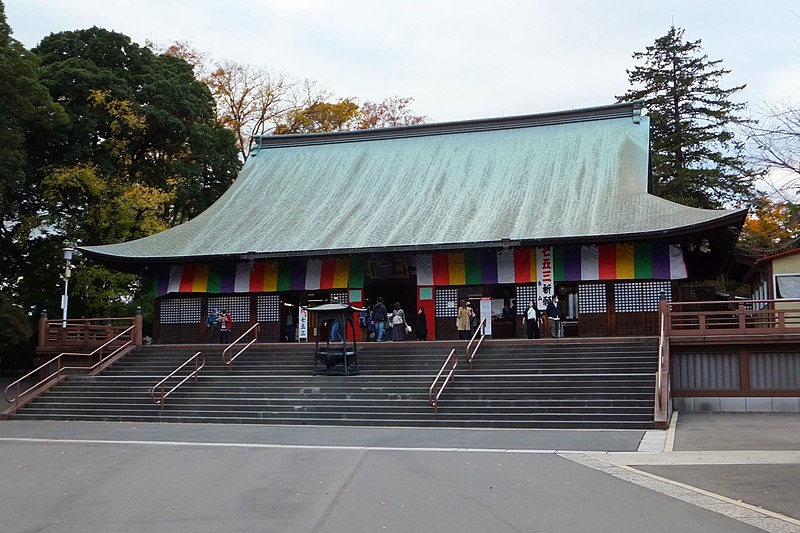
x=544, y=276
x=677, y=267
x=175, y=275
x=486, y=313
x=302, y=323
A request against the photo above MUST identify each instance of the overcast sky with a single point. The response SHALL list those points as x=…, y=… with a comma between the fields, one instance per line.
x=457, y=59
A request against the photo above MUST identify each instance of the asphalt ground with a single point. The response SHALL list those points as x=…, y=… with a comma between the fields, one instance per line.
x=77, y=476
x=771, y=486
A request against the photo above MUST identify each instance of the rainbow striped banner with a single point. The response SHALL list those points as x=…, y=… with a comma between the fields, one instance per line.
x=568, y=263
x=262, y=276
x=472, y=267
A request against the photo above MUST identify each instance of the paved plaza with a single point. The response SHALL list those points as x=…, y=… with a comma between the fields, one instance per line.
x=709, y=474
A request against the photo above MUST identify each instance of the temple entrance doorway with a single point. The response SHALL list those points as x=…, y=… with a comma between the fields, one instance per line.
x=403, y=291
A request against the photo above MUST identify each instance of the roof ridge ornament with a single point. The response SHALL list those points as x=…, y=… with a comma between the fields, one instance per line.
x=637, y=111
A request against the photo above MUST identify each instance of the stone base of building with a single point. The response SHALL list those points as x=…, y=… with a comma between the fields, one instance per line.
x=738, y=404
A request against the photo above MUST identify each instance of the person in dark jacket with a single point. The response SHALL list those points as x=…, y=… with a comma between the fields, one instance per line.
x=379, y=319
x=422, y=325
x=554, y=314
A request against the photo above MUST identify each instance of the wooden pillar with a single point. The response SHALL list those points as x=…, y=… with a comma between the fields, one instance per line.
x=43, y=328
x=137, y=332
x=744, y=369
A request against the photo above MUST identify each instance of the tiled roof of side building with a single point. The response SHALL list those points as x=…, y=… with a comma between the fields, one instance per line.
x=579, y=175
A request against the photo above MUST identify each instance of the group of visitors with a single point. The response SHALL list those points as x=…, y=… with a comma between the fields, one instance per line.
x=378, y=324
x=553, y=311
x=218, y=321
x=376, y=321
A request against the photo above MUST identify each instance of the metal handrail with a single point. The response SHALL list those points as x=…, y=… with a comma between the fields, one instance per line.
x=660, y=415
x=482, y=330
x=433, y=393
x=197, y=367
x=57, y=360
x=226, y=353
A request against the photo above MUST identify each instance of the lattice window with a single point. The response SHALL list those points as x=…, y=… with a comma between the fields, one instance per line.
x=525, y=294
x=446, y=303
x=628, y=297
x=239, y=306
x=592, y=298
x=340, y=297
x=181, y=311
x=634, y=297
x=651, y=294
x=268, y=308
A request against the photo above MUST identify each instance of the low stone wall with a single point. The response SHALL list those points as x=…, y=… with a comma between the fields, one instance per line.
x=738, y=404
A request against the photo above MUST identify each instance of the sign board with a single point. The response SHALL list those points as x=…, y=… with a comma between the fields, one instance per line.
x=486, y=312
x=544, y=276
x=302, y=323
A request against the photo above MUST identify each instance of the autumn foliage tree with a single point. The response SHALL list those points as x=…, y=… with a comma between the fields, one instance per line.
x=774, y=225
x=771, y=227
x=250, y=100
x=393, y=111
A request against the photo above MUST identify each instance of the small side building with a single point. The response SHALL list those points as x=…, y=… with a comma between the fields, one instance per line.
x=777, y=276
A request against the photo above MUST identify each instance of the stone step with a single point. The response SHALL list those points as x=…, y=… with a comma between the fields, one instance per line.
x=555, y=384
x=541, y=422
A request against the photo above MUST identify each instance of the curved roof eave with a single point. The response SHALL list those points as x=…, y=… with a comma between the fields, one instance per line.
x=734, y=219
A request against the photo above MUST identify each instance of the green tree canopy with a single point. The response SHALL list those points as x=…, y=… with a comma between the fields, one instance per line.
x=139, y=118
x=142, y=151
x=27, y=115
x=695, y=157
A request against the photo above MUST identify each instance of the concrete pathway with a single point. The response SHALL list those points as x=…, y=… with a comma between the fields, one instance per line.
x=87, y=477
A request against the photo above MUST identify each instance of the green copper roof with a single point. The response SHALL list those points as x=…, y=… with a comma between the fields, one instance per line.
x=578, y=175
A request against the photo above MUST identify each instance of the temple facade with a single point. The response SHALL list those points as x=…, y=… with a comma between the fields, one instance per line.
x=499, y=212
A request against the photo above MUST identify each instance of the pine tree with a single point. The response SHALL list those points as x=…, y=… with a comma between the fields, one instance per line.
x=695, y=156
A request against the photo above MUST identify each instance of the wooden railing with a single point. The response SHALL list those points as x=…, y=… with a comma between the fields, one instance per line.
x=662, y=392
x=472, y=350
x=737, y=317
x=81, y=332
x=199, y=360
x=227, y=358
x=58, y=369
x=436, y=389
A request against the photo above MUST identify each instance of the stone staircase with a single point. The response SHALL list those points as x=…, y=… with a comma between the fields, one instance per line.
x=607, y=383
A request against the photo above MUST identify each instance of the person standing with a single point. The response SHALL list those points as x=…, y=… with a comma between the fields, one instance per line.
x=223, y=327
x=462, y=321
x=363, y=322
x=422, y=325
x=554, y=314
x=473, y=318
x=289, y=327
x=398, y=323
x=211, y=325
x=379, y=319
x=531, y=320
